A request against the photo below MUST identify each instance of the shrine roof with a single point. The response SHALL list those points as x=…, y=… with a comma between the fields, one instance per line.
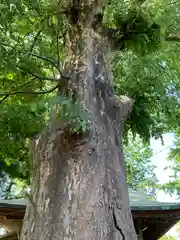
x=13, y=203
x=140, y=201
x=156, y=217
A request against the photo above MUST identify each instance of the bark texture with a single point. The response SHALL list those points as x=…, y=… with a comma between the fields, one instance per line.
x=79, y=189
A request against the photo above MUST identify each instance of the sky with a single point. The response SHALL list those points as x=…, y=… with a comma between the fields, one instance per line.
x=159, y=158
x=160, y=154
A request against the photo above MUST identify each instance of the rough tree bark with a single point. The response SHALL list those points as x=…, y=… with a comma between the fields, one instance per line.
x=79, y=189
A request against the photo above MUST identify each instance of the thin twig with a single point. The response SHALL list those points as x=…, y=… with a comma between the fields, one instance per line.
x=173, y=38
x=29, y=92
x=41, y=84
x=57, y=43
x=7, y=95
x=4, y=98
x=59, y=37
x=20, y=41
x=35, y=40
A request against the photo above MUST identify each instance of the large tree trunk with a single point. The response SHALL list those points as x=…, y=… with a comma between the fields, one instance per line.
x=79, y=189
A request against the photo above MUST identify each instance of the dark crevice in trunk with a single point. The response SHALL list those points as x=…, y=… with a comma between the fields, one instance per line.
x=117, y=225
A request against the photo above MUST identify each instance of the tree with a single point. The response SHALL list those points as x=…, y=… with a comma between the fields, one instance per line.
x=173, y=186
x=169, y=237
x=139, y=168
x=78, y=187
x=139, y=172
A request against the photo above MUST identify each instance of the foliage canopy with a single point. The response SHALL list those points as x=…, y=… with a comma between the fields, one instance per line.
x=33, y=50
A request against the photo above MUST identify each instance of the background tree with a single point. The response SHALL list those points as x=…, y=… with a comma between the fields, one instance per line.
x=169, y=237
x=139, y=168
x=173, y=186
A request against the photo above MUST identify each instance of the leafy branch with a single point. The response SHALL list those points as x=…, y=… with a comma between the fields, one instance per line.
x=36, y=56
x=5, y=95
x=37, y=76
x=173, y=38
x=17, y=89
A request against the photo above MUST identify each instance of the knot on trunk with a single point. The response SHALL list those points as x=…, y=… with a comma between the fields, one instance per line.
x=123, y=104
x=63, y=135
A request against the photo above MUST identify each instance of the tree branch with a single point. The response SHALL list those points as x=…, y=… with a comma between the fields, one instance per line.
x=36, y=56
x=172, y=38
x=7, y=94
x=57, y=43
x=37, y=76
x=35, y=40
x=4, y=98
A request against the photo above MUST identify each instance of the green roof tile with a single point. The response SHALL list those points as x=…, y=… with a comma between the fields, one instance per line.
x=140, y=201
